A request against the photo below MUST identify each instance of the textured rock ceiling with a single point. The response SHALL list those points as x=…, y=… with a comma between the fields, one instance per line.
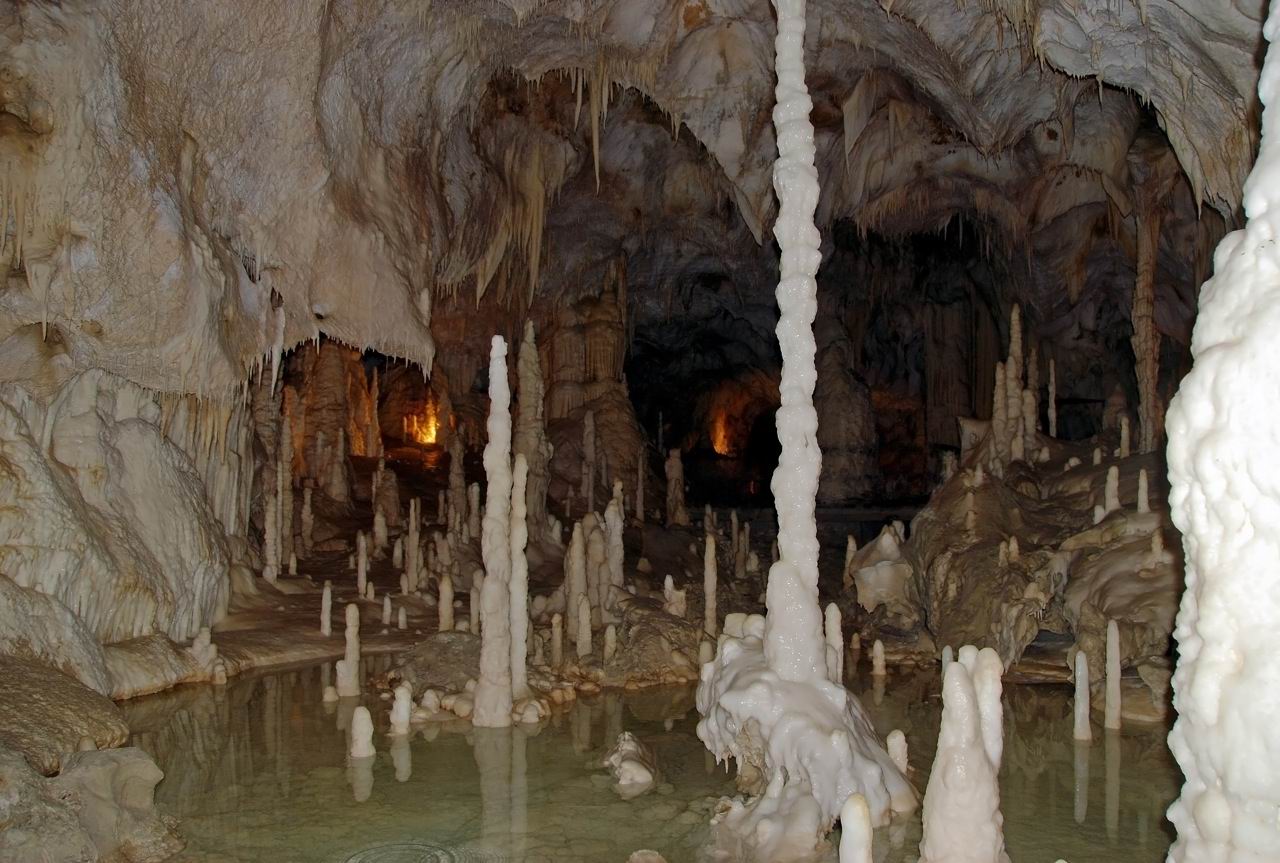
x=176, y=178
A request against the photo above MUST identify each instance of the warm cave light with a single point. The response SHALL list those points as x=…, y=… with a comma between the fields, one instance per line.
x=720, y=435
x=423, y=429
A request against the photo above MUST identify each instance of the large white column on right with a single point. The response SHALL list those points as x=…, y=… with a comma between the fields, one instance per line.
x=1224, y=475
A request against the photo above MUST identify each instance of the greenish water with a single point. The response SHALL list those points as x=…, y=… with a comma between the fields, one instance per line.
x=257, y=773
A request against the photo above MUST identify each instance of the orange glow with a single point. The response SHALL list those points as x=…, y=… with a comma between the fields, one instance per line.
x=720, y=435
x=423, y=429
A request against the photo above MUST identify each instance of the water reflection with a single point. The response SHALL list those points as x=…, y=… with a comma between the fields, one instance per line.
x=258, y=770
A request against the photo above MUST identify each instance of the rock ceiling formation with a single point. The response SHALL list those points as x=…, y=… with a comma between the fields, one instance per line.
x=193, y=191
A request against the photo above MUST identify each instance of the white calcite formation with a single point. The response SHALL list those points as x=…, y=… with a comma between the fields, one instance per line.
x=493, y=690
x=362, y=734
x=634, y=766
x=766, y=699
x=962, y=820
x=519, y=582
x=1082, y=728
x=348, y=668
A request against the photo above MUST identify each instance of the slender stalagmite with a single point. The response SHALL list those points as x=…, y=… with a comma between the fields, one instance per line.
x=793, y=643
x=493, y=690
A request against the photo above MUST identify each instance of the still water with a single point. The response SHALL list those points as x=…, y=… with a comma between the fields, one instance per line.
x=257, y=772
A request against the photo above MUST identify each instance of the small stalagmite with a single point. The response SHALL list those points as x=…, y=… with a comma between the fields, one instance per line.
x=835, y=643
x=445, y=603
x=877, y=659
x=362, y=734
x=326, y=610
x=677, y=515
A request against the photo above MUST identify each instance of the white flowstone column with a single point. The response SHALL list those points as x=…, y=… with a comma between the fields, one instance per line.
x=793, y=642
x=1224, y=433
x=493, y=690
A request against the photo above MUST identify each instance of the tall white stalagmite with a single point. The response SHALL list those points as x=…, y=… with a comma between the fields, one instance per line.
x=519, y=582
x=793, y=643
x=962, y=820
x=326, y=610
x=764, y=698
x=710, y=623
x=1083, y=729
x=493, y=690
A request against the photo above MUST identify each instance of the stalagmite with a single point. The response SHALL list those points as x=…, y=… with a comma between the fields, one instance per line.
x=1083, y=729
x=835, y=643
x=379, y=534
x=948, y=657
x=610, y=642
x=583, y=636
x=850, y=549
x=362, y=734
x=519, y=603
x=1111, y=712
x=896, y=744
x=362, y=562
x=855, y=830
x=614, y=554
x=677, y=515
x=557, y=640
x=397, y=553
x=710, y=622
x=493, y=691
x=1111, y=491
x=446, y=603
x=386, y=609
x=348, y=668
x=402, y=618
x=401, y=710
x=962, y=819
x=877, y=659
x=575, y=579
x=326, y=610
x=823, y=752
x=1144, y=500
x=457, y=483
x=1124, y=450
x=293, y=564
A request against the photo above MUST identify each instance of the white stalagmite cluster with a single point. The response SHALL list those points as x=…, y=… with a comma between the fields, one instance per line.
x=962, y=820
x=766, y=698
